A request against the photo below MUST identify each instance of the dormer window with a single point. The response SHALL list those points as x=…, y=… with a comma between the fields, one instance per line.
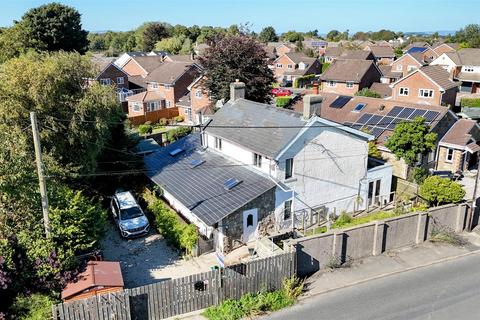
x=301, y=66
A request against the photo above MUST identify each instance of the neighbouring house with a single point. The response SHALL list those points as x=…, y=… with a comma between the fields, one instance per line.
x=332, y=53
x=349, y=76
x=200, y=48
x=383, y=89
x=417, y=44
x=388, y=75
x=459, y=147
x=317, y=45
x=428, y=85
x=195, y=106
x=464, y=65
x=383, y=55
x=291, y=66
x=357, y=55
x=442, y=48
x=99, y=277
x=427, y=53
x=281, y=48
x=257, y=164
x=166, y=84
x=110, y=74
x=125, y=57
x=142, y=65
x=408, y=63
x=380, y=117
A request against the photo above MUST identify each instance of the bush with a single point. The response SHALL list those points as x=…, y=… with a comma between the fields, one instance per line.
x=177, y=133
x=282, y=102
x=177, y=233
x=301, y=81
x=325, y=66
x=145, y=128
x=179, y=118
x=162, y=122
x=342, y=220
x=365, y=92
x=418, y=175
x=438, y=191
x=470, y=102
x=35, y=307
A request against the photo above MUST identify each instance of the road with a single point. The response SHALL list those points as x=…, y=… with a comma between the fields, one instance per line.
x=446, y=291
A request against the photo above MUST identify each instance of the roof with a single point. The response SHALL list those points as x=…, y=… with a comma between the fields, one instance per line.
x=417, y=49
x=201, y=189
x=298, y=57
x=146, y=146
x=468, y=76
x=149, y=63
x=418, y=56
x=169, y=72
x=460, y=134
x=416, y=45
x=440, y=76
x=357, y=55
x=380, y=107
x=382, y=89
x=101, y=63
x=146, y=96
x=465, y=57
x=388, y=73
x=333, y=51
x=138, y=81
x=97, y=274
x=454, y=46
x=347, y=70
x=246, y=113
x=185, y=101
x=180, y=57
x=382, y=51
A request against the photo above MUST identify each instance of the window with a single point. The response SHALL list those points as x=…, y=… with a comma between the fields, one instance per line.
x=257, y=160
x=218, y=143
x=287, y=210
x=302, y=66
x=431, y=156
x=399, y=67
x=411, y=68
x=403, y=91
x=168, y=86
x=168, y=103
x=425, y=93
x=105, y=81
x=120, y=80
x=468, y=69
x=289, y=66
x=289, y=168
x=331, y=84
x=279, y=65
x=359, y=107
x=349, y=84
x=153, y=106
x=154, y=85
x=250, y=220
x=450, y=153
x=136, y=107
x=198, y=93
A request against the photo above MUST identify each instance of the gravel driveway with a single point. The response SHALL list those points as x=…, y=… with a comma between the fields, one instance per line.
x=140, y=258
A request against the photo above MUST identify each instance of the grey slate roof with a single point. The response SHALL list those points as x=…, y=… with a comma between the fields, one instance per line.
x=347, y=70
x=201, y=189
x=440, y=76
x=245, y=113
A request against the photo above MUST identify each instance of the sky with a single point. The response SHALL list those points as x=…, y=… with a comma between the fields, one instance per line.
x=283, y=15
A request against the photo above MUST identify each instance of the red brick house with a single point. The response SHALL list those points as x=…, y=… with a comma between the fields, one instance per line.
x=281, y=48
x=442, y=48
x=429, y=85
x=165, y=86
x=408, y=63
x=384, y=55
x=349, y=76
x=388, y=75
x=142, y=65
x=332, y=53
x=293, y=65
x=196, y=103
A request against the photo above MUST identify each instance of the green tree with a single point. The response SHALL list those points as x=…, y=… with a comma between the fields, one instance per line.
x=438, y=191
x=365, y=92
x=383, y=35
x=410, y=139
x=470, y=35
x=361, y=36
x=292, y=36
x=237, y=57
x=268, y=34
x=54, y=27
x=373, y=151
x=333, y=35
x=153, y=33
x=171, y=45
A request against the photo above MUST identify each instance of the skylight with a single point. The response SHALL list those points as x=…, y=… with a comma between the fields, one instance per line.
x=359, y=107
x=176, y=152
x=229, y=184
x=195, y=163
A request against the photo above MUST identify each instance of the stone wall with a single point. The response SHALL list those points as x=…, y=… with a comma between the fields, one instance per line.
x=315, y=252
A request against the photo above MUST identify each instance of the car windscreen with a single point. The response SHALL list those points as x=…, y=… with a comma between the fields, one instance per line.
x=130, y=213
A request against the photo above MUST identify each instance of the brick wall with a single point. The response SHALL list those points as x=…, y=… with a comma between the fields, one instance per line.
x=340, y=88
x=414, y=83
x=455, y=165
x=113, y=73
x=132, y=68
x=405, y=61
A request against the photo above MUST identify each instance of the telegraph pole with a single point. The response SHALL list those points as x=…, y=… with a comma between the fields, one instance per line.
x=40, y=171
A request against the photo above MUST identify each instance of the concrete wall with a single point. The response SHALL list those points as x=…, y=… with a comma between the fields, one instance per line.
x=314, y=252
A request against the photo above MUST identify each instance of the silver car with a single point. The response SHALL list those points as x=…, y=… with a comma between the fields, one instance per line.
x=128, y=215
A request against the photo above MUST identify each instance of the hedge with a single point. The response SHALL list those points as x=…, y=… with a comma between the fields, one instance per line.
x=177, y=133
x=365, y=92
x=282, y=102
x=470, y=102
x=300, y=81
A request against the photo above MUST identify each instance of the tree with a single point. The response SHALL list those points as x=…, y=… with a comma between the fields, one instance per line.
x=365, y=92
x=373, y=151
x=410, y=139
x=292, y=36
x=153, y=33
x=383, y=35
x=54, y=27
x=312, y=34
x=333, y=35
x=171, y=45
x=361, y=36
x=268, y=34
x=438, y=191
x=237, y=57
x=470, y=35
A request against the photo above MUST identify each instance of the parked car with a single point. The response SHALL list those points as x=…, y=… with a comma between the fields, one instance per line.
x=281, y=92
x=128, y=215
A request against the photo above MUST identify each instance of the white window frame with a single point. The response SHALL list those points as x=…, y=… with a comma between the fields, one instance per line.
x=349, y=84
x=404, y=91
x=399, y=67
x=153, y=106
x=411, y=68
x=120, y=80
x=257, y=160
x=468, y=69
x=279, y=65
x=289, y=175
x=421, y=93
x=289, y=66
x=168, y=86
x=105, y=81
x=154, y=85
x=168, y=103
x=449, y=155
x=136, y=107
x=218, y=143
x=331, y=84
x=198, y=93
x=287, y=205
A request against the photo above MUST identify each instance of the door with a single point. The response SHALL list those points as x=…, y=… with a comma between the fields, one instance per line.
x=250, y=221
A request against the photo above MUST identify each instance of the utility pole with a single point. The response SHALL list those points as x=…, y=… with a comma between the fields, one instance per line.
x=40, y=171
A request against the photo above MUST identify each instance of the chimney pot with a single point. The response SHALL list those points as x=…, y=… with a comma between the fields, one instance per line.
x=237, y=90
x=312, y=105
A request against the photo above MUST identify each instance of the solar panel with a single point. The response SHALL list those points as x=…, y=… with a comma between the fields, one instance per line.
x=406, y=113
x=377, y=131
x=417, y=113
x=230, y=183
x=195, y=163
x=385, y=121
x=359, y=107
x=431, y=115
x=340, y=102
x=374, y=120
x=364, y=118
x=176, y=152
x=391, y=126
x=395, y=111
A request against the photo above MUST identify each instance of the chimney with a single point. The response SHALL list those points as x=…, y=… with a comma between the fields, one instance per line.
x=312, y=105
x=237, y=90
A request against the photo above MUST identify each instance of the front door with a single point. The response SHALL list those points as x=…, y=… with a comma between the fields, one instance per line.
x=250, y=221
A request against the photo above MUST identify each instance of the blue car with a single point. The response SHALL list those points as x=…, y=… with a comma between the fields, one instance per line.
x=128, y=215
